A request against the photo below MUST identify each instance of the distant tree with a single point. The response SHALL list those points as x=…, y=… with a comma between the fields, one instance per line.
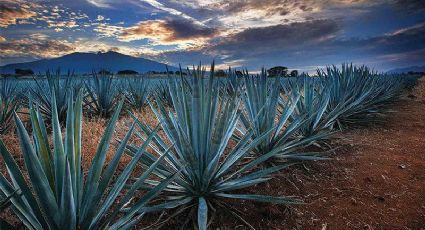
x=278, y=71
x=105, y=72
x=294, y=73
x=170, y=72
x=182, y=73
x=415, y=73
x=127, y=72
x=220, y=73
x=24, y=72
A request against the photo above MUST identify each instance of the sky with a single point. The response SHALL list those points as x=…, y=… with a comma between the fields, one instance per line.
x=251, y=34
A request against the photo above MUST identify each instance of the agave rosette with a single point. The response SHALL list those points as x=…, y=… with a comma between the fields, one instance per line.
x=265, y=109
x=102, y=95
x=204, y=121
x=359, y=95
x=56, y=195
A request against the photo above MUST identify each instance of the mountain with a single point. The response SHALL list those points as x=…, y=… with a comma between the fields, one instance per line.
x=87, y=62
x=408, y=69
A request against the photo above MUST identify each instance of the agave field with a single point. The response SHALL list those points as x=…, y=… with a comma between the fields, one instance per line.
x=213, y=139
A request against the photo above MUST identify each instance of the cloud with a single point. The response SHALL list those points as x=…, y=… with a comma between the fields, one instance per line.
x=100, y=3
x=61, y=17
x=248, y=46
x=39, y=46
x=284, y=37
x=242, y=14
x=412, y=6
x=167, y=31
x=85, y=45
x=100, y=18
x=10, y=15
x=108, y=30
x=306, y=45
x=39, y=36
x=34, y=48
x=172, y=11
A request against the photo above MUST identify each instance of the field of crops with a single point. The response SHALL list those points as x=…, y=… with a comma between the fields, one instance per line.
x=178, y=147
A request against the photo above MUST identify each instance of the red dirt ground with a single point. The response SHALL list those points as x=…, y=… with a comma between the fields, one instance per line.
x=375, y=181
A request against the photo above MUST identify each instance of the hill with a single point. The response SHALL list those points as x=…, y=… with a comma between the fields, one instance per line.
x=408, y=69
x=87, y=62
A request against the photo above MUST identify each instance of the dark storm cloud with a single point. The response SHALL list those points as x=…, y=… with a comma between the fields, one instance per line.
x=400, y=41
x=310, y=43
x=280, y=37
x=411, y=5
x=183, y=29
x=168, y=30
x=255, y=43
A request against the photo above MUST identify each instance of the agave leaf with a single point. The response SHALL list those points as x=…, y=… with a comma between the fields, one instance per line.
x=202, y=214
x=40, y=182
x=67, y=207
x=30, y=209
x=59, y=155
x=43, y=147
x=95, y=170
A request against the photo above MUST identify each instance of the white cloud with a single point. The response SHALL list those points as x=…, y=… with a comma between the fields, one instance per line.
x=100, y=18
x=100, y=3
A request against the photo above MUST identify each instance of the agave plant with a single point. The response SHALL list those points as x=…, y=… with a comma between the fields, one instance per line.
x=200, y=130
x=137, y=92
x=102, y=95
x=56, y=194
x=161, y=90
x=359, y=95
x=266, y=109
x=234, y=82
x=9, y=102
x=62, y=87
x=312, y=104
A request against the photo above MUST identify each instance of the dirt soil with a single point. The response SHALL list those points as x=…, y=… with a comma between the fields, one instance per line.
x=376, y=180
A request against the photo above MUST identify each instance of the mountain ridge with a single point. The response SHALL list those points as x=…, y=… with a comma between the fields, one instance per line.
x=81, y=63
x=408, y=69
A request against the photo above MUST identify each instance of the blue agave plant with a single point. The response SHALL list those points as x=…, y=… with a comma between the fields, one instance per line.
x=200, y=129
x=56, y=194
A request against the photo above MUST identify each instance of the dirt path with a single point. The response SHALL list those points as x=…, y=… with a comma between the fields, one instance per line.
x=380, y=184
x=375, y=181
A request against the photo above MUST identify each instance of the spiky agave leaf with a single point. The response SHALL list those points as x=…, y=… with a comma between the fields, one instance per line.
x=62, y=86
x=265, y=108
x=102, y=95
x=234, y=82
x=312, y=104
x=161, y=91
x=359, y=95
x=56, y=195
x=137, y=91
x=201, y=127
x=10, y=101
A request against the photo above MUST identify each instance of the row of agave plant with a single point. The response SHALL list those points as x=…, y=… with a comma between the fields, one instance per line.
x=221, y=137
x=101, y=94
